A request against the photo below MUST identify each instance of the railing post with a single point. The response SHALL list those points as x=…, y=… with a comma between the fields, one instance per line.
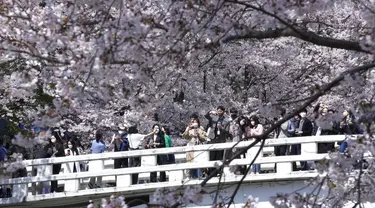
x=227, y=154
x=43, y=187
x=309, y=149
x=96, y=166
x=19, y=191
x=124, y=180
x=284, y=167
x=73, y=184
x=201, y=156
x=251, y=153
x=148, y=161
x=177, y=175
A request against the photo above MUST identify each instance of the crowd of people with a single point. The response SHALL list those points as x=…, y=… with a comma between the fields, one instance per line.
x=222, y=126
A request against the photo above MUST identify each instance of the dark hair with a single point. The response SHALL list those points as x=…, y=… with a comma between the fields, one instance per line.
x=282, y=111
x=98, y=136
x=133, y=130
x=331, y=111
x=234, y=111
x=167, y=131
x=75, y=146
x=304, y=110
x=160, y=134
x=153, y=126
x=246, y=122
x=220, y=108
x=255, y=118
x=194, y=115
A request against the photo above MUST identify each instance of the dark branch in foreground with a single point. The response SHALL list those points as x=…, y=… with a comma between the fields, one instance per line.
x=307, y=36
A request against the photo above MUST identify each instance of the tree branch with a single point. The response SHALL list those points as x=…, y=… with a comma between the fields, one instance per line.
x=293, y=31
x=245, y=174
x=305, y=35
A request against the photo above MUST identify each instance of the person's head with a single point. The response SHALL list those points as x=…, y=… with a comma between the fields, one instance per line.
x=233, y=113
x=195, y=123
x=303, y=113
x=121, y=129
x=98, y=136
x=53, y=139
x=324, y=111
x=220, y=110
x=243, y=121
x=117, y=135
x=165, y=130
x=156, y=129
x=254, y=121
x=133, y=130
x=70, y=145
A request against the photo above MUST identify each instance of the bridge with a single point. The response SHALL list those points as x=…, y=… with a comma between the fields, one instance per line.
x=277, y=178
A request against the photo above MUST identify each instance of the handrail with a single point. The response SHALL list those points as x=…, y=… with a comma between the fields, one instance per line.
x=206, y=147
x=172, y=167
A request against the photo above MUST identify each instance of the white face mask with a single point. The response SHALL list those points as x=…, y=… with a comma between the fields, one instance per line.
x=252, y=123
x=70, y=146
x=303, y=114
x=120, y=132
x=195, y=125
x=242, y=122
x=53, y=139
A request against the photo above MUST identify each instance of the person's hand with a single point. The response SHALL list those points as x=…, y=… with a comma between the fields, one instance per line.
x=299, y=132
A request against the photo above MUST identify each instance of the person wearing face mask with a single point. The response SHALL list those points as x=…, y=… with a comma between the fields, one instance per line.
x=157, y=141
x=71, y=167
x=305, y=128
x=240, y=128
x=256, y=129
x=56, y=149
x=195, y=135
x=219, y=123
x=121, y=143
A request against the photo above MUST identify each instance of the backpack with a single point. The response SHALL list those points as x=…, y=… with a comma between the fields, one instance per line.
x=125, y=143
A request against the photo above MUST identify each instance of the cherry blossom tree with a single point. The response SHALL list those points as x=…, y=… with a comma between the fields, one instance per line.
x=81, y=65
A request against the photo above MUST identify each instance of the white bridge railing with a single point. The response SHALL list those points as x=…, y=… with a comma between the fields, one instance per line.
x=283, y=166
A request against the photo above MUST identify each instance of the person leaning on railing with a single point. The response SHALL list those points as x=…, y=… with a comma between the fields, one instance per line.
x=168, y=143
x=157, y=141
x=256, y=129
x=135, y=143
x=195, y=135
x=97, y=147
